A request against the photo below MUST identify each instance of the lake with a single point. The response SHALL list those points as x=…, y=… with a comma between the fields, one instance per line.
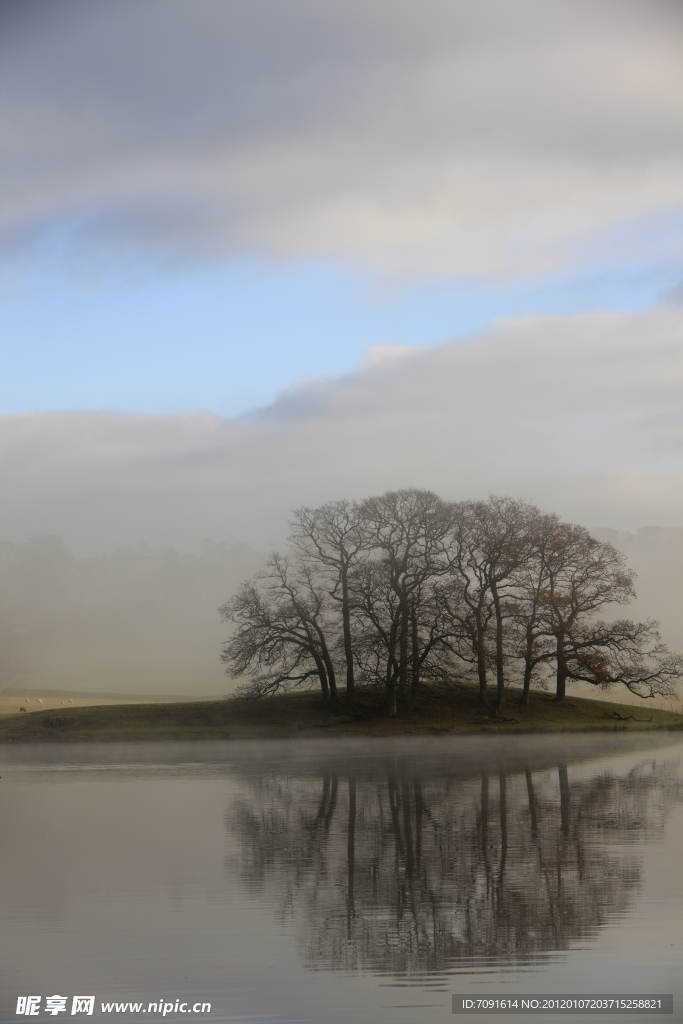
x=340, y=881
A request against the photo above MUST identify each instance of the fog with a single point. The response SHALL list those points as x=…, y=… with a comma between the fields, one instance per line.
x=145, y=621
x=136, y=621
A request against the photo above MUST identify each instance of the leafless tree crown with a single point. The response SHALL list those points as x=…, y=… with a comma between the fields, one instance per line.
x=406, y=588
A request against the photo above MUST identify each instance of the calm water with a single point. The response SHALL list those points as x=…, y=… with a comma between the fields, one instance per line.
x=331, y=882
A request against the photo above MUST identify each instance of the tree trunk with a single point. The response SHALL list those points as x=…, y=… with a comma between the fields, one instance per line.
x=391, y=688
x=481, y=672
x=348, y=647
x=500, y=668
x=415, y=658
x=561, y=687
x=332, y=681
x=329, y=667
x=322, y=675
x=528, y=664
x=331, y=677
x=481, y=662
x=403, y=653
x=527, y=681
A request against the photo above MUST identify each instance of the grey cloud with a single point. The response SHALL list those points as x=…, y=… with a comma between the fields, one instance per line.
x=410, y=135
x=593, y=389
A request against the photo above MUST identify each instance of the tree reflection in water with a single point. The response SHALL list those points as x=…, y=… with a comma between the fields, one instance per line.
x=404, y=872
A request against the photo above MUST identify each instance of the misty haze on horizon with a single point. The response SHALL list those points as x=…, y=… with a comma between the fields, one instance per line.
x=146, y=621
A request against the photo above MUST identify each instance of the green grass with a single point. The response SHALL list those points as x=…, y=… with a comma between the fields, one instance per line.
x=440, y=710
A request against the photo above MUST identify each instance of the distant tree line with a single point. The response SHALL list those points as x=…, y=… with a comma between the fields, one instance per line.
x=406, y=587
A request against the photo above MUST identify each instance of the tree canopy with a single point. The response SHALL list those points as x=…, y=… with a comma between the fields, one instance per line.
x=406, y=587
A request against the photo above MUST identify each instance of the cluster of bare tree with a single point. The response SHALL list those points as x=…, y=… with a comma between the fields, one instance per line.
x=408, y=587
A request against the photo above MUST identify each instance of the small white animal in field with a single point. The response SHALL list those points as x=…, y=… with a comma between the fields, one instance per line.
x=61, y=702
x=70, y=700
x=39, y=701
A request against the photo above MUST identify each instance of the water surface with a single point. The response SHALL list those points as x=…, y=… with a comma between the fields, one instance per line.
x=341, y=881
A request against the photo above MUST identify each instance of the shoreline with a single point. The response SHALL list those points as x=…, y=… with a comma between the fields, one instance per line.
x=441, y=711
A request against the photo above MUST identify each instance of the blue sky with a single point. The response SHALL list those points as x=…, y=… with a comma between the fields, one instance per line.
x=230, y=338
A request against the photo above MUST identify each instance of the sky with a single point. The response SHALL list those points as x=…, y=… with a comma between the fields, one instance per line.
x=262, y=254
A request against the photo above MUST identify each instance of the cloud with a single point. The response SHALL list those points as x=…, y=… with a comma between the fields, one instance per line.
x=476, y=137
x=581, y=415
x=380, y=355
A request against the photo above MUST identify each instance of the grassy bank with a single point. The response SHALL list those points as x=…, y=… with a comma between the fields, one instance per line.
x=10, y=705
x=440, y=711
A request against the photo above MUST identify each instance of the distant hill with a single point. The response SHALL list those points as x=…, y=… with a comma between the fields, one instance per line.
x=144, y=698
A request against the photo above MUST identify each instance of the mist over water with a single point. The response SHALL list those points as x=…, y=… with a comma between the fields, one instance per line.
x=339, y=881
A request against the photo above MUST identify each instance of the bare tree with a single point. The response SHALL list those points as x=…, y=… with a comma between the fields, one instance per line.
x=502, y=541
x=405, y=584
x=626, y=652
x=483, y=555
x=331, y=538
x=531, y=640
x=410, y=530
x=281, y=629
x=466, y=608
x=583, y=576
x=376, y=624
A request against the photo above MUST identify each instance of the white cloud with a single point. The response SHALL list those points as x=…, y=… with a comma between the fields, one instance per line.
x=380, y=355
